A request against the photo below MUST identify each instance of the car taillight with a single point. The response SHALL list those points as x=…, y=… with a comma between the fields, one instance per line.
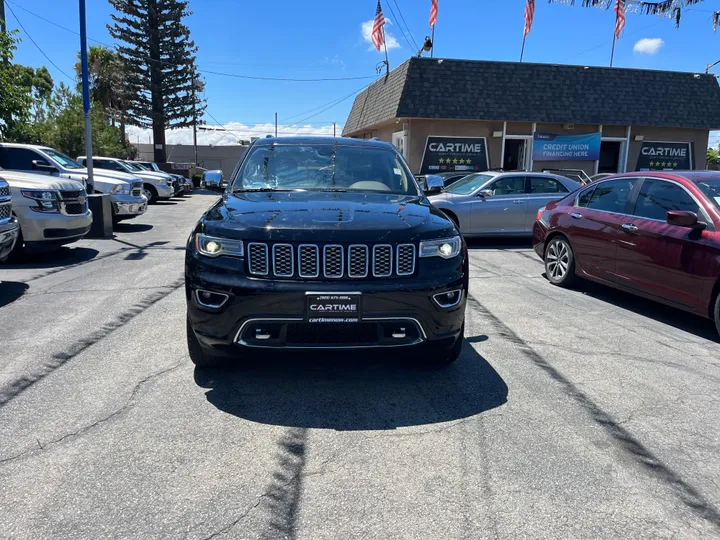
x=539, y=213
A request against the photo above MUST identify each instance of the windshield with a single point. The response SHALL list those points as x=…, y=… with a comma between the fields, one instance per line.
x=469, y=184
x=62, y=159
x=711, y=189
x=324, y=167
x=142, y=166
x=131, y=166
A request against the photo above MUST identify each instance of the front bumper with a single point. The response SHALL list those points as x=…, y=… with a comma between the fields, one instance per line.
x=262, y=313
x=9, y=232
x=127, y=206
x=165, y=191
x=39, y=228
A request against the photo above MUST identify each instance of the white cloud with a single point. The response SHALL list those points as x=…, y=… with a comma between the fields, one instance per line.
x=390, y=41
x=648, y=45
x=335, y=61
x=228, y=134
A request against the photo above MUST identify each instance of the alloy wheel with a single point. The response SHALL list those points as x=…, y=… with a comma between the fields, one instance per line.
x=147, y=193
x=558, y=259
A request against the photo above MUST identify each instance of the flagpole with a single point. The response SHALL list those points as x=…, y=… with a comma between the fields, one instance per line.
x=522, y=51
x=387, y=62
x=433, y=41
x=612, y=54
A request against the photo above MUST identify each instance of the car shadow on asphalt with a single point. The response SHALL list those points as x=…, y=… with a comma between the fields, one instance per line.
x=369, y=390
x=11, y=291
x=164, y=203
x=677, y=318
x=499, y=242
x=132, y=227
x=65, y=256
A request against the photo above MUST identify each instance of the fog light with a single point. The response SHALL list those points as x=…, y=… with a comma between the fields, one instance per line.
x=448, y=299
x=210, y=299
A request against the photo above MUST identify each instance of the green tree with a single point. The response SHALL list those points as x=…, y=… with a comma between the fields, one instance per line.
x=159, y=59
x=15, y=100
x=713, y=159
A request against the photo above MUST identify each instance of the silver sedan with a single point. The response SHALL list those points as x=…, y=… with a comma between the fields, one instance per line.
x=500, y=204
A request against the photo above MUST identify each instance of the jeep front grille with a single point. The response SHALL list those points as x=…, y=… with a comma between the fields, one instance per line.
x=4, y=191
x=5, y=211
x=331, y=261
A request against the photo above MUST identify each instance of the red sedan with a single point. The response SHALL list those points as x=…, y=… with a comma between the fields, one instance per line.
x=655, y=234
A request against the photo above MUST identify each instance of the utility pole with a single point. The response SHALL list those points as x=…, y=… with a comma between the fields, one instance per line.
x=334, y=135
x=3, y=26
x=194, y=119
x=86, y=96
x=276, y=125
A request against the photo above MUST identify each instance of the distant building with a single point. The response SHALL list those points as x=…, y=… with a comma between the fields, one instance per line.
x=468, y=115
x=224, y=158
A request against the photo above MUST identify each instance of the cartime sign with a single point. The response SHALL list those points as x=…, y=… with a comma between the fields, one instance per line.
x=448, y=154
x=664, y=156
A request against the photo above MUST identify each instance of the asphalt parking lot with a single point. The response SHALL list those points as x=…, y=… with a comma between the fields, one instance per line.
x=581, y=413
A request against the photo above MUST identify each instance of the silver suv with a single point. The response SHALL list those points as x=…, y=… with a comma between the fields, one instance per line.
x=125, y=190
x=51, y=212
x=156, y=185
x=9, y=227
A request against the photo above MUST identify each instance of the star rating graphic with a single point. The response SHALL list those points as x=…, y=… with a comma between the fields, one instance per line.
x=456, y=161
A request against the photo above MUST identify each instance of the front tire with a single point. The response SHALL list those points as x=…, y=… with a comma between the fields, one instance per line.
x=199, y=357
x=560, y=262
x=150, y=193
x=716, y=313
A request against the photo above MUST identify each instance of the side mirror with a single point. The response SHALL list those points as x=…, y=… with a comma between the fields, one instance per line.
x=434, y=182
x=682, y=218
x=39, y=165
x=485, y=193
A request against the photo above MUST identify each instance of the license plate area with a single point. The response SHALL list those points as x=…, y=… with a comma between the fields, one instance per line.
x=333, y=308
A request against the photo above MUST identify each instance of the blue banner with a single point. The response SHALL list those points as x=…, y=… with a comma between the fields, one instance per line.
x=551, y=147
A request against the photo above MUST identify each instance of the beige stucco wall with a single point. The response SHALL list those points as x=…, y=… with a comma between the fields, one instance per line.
x=419, y=130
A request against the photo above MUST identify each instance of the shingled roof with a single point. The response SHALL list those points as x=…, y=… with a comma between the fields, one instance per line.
x=511, y=91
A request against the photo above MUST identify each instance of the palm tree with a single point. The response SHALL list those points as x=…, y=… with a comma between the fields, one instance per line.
x=106, y=74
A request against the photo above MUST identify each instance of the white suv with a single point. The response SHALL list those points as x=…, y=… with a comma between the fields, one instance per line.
x=51, y=211
x=9, y=227
x=156, y=185
x=125, y=190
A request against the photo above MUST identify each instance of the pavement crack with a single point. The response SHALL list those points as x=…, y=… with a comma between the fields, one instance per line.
x=129, y=403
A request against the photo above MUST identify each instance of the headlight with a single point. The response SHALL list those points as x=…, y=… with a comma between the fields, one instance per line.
x=39, y=195
x=211, y=246
x=121, y=189
x=169, y=182
x=447, y=248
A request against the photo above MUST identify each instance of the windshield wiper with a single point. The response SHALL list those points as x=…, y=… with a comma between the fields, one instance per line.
x=260, y=190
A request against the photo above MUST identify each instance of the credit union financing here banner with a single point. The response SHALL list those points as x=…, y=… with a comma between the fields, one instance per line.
x=551, y=147
x=664, y=156
x=449, y=154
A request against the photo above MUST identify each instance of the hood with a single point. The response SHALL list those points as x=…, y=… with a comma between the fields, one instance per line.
x=325, y=217
x=38, y=181
x=151, y=175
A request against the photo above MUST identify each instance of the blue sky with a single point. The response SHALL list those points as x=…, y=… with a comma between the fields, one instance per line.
x=324, y=39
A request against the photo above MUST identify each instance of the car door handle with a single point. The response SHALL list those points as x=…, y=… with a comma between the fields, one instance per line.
x=576, y=215
x=518, y=202
x=629, y=227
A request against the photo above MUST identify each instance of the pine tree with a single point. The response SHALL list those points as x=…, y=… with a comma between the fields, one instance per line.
x=160, y=67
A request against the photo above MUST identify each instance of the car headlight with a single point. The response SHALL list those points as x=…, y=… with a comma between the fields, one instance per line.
x=169, y=182
x=447, y=248
x=45, y=200
x=211, y=246
x=121, y=189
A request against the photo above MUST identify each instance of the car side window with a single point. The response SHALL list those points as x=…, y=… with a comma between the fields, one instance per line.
x=20, y=159
x=657, y=197
x=611, y=196
x=542, y=184
x=585, y=197
x=509, y=185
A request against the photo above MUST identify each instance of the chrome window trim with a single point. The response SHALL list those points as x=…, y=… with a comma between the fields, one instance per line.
x=391, y=260
x=317, y=261
x=292, y=260
x=367, y=261
x=267, y=262
x=397, y=260
x=342, y=261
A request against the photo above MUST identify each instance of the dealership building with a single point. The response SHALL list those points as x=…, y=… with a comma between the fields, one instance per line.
x=468, y=115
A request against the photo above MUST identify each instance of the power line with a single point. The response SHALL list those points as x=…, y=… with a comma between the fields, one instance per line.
x=211, y=72
x=74, y=79
x=387, y=3
x=406, y=24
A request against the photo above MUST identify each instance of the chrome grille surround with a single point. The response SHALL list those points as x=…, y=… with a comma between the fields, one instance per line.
x=405, y=264
x=308, y=261
x=73, y=202
x=358, y=264
x=5, y=211
x=258, y=259
x=382, y=260
x=283, y=261
x=333, y=261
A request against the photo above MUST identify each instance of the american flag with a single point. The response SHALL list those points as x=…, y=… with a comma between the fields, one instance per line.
x=378, y=37
x=529, y=16
x=619, y=17
x=433, y=13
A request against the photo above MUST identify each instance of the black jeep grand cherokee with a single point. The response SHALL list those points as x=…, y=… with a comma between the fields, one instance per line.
x=324, y=243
